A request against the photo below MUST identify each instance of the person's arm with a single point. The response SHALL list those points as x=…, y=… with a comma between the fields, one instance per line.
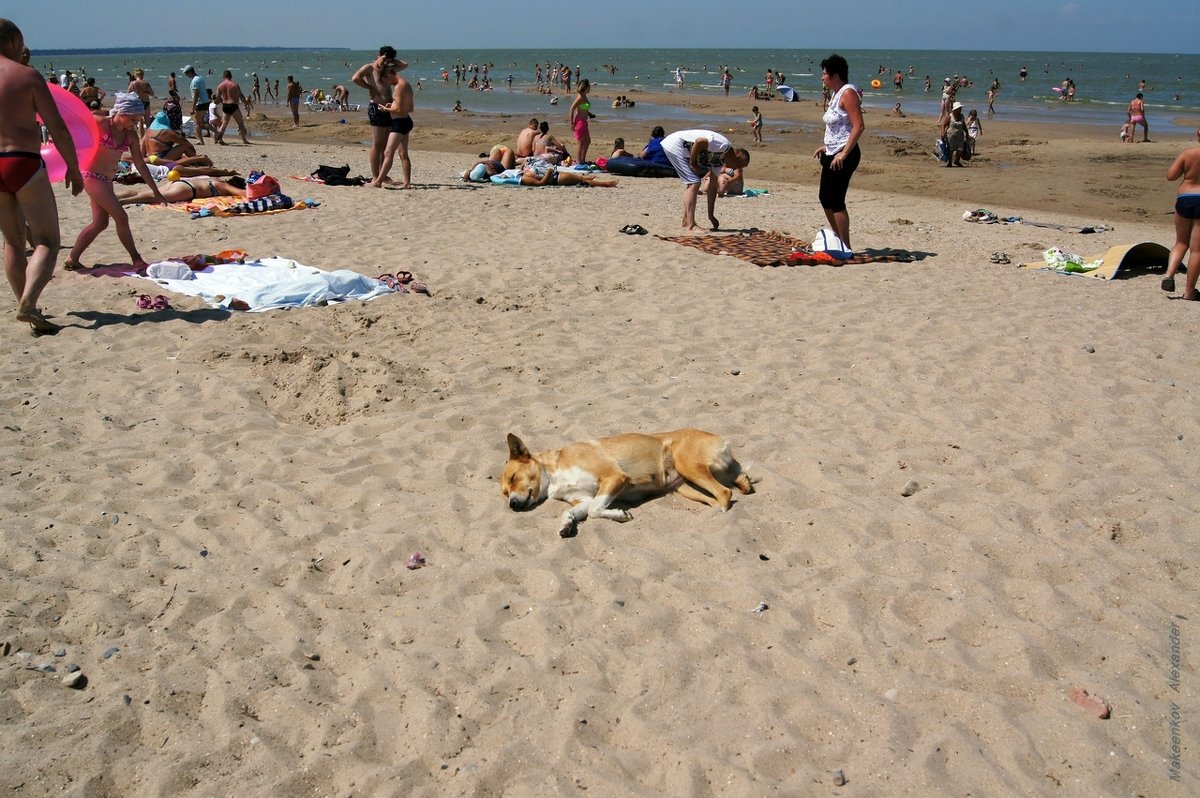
x=360, y=78
x=139, y=163
x=698, y=146
x=852, y=105
x=1178, y=168
x=44, y=104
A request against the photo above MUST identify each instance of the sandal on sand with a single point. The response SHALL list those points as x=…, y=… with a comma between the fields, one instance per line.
x=144, y=302
x=160, y=302
x=419, y=288
x=403, y=277
x=1001, y=257
x=1168, y=284
x=389, y=280
x=633, y=230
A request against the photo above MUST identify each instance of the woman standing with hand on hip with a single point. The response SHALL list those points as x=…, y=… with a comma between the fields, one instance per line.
x=839, y=155
x=577, y=117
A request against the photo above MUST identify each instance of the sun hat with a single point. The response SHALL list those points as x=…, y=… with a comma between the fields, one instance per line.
x=161, y=121
x=956, y=107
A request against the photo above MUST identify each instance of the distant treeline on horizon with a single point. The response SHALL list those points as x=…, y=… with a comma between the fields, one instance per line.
x=131, y=50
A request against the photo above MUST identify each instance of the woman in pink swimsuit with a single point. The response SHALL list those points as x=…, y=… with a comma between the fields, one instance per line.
x=116, y=136
x=578, y=115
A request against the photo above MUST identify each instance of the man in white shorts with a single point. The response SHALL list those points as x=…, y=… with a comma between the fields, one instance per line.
x=694, y=153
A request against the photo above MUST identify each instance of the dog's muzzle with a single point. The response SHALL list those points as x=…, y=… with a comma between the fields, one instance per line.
x=519, y=503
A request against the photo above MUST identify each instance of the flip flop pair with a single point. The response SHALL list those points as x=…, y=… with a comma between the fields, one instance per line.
x=159, y=302
x=633, y=230
x=396, y=281
x=1001, y=257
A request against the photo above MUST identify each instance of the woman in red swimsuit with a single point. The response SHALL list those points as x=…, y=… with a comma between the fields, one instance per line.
x=116, y=136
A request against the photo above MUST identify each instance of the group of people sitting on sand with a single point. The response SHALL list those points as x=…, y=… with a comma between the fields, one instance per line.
x=541, y=159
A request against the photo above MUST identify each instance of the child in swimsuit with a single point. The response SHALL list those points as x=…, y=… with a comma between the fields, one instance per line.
x=116, y=136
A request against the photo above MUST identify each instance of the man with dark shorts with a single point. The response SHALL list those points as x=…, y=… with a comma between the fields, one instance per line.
x=368, y=77
x=293, y=99
x=399, y=109
x=230, y=95
x=200, y=101
x=26, y=198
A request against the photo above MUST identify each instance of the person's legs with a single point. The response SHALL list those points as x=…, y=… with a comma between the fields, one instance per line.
x=98, y=224
x=389, y=154
x=33, y=210
x=379, y=142
x=1183, y=233
x=106, y=199
x=219, y=136
x=405, y=163
x=12, y=225
x=691, y=192
x=1189, y=290
x=241, y=125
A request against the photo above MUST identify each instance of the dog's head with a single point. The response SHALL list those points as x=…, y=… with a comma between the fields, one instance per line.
x=521, y=481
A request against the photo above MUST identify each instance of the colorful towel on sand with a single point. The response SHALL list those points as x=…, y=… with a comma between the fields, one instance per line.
x=775, y=249
x=219, y=206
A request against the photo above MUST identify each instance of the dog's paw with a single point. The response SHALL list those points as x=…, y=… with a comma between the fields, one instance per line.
x=568, y=530
x=623, y=516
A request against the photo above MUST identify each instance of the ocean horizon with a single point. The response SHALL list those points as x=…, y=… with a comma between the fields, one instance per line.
x=1105, y=81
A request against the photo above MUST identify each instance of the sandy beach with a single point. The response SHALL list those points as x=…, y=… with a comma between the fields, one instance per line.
x=973, y=489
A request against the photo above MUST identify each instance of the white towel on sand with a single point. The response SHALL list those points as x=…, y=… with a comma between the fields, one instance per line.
x=272, y=283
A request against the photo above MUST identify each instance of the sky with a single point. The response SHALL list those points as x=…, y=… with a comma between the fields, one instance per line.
x=1123, y=26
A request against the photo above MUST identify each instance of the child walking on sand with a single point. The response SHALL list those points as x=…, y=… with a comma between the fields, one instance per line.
x=116, y=136
x=756, y=125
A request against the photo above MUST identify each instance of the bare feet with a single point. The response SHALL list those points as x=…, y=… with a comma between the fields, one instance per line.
x=40, y=324
x=71, y=265
x=140, y=264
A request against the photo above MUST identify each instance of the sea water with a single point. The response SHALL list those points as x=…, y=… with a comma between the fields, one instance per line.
x=1106, y=82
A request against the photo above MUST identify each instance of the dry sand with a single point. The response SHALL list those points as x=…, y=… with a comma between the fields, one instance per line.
x=230, y=500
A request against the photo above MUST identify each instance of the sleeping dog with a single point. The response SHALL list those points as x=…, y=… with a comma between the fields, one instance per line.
x=591, y=475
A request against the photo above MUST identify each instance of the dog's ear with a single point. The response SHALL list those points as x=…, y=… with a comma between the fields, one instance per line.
x=516, y=449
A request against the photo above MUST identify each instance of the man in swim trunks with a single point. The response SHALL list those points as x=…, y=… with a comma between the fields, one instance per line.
x=229, y=93
x=368, y=77
x=1187, y=221
x=1137, y=115
x=26, y=199
x=399, y=108
x=199, y=101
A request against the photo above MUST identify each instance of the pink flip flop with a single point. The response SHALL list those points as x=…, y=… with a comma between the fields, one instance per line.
x=144, y=302
x=419, y=288
x=160, y=302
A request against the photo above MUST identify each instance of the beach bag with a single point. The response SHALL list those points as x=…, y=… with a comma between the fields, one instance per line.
x=259, y=185
x=828, y=242
x=337, y=176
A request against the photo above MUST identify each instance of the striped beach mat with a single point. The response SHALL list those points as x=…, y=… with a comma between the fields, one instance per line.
x=768, y=248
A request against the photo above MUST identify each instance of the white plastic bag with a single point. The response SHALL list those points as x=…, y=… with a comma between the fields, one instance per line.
x=827, y=241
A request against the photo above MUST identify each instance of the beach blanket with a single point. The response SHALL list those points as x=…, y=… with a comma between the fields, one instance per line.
x=764, y=248
x=221, y=206
x=268, y=283
x=1122, y=259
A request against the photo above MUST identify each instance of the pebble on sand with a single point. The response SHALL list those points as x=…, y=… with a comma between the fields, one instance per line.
x=839, y=778
x=910, y=488
x=1090, y=701
x=74, y=679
